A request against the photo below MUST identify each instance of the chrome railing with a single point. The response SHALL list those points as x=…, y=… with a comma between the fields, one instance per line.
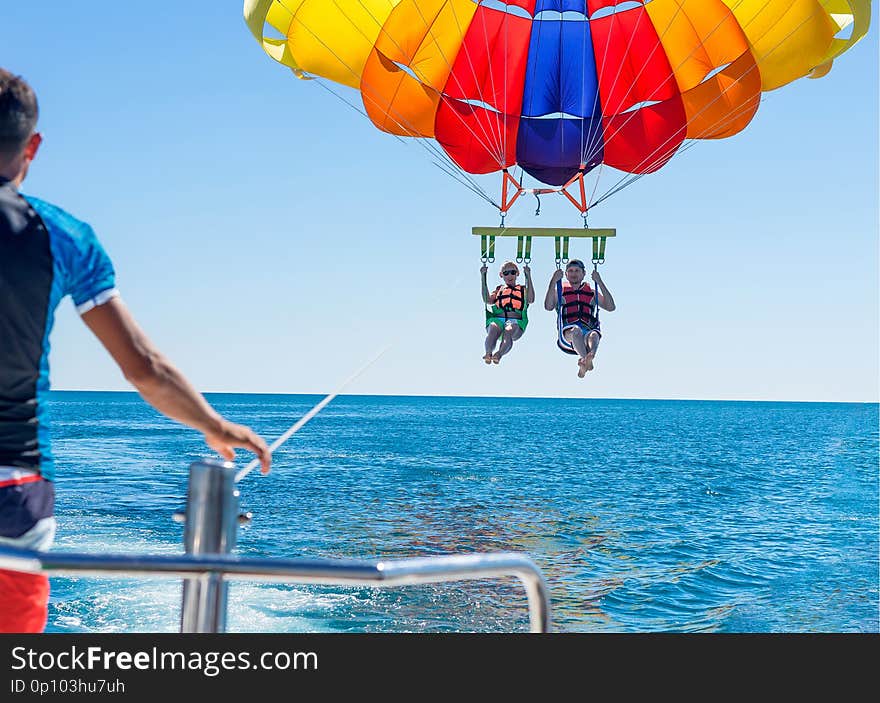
x=211, y=524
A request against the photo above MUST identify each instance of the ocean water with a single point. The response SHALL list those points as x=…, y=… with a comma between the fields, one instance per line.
x=644, y=516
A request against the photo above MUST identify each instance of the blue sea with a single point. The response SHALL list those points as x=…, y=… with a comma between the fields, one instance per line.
x=643, y=515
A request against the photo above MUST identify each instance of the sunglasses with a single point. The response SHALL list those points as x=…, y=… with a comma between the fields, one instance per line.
x=509, y=272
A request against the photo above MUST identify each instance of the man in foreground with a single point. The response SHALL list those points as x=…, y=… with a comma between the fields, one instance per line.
x=45, y=255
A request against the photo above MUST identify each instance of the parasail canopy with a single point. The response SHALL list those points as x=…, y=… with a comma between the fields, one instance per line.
x=559, y=87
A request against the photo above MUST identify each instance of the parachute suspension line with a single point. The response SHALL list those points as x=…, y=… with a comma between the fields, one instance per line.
x=454, y=173
x=653, y=157
x=443, y=161
x=619, y=73
x=692, y=142
x=682, y=63
x=473, y=184
x=500, y=153
x=469, y=183
x=630, y=178
x=528, y=99
x=595, y=188
x=622, y=184
x=496, y=138
x=657, y=155
x=583, y=64
x=491, y=143
x=596, y=138
x=406, y=125
x=632, y=115
x=435, y=151
x=726, y=119
x=505, y=112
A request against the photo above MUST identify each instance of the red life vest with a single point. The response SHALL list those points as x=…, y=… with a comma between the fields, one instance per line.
x=577, y=304
x=510, y=299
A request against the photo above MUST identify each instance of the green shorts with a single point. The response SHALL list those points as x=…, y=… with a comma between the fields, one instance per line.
x=501, y=322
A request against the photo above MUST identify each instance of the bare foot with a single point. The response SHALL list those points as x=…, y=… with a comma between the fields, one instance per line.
x=488, y=358
x=582, y=368
x=496, y=358
x=588, y=361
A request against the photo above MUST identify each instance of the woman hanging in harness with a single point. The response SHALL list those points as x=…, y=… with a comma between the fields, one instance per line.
x=577, y=308
x=506, y=310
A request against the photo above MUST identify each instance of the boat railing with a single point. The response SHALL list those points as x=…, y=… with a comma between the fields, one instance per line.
x=211, y=523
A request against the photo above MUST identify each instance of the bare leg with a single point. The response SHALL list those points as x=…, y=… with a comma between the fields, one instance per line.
x=576, y=337
x=493, y=332
x=512, y=332
x=592, y=348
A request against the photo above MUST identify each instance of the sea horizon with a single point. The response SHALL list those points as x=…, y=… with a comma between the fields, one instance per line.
x=487, y=397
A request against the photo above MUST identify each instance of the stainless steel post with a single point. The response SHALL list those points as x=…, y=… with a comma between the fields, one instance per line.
x=211, y=528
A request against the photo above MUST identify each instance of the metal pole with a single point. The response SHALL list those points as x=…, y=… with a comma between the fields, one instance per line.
x=211, y=528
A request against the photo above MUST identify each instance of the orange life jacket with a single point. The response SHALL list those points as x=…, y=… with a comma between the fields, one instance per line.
x=510, y=299
x=578, y=304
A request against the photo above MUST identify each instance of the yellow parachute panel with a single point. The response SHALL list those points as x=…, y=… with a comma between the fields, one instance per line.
x=411, y=63
x=788, y=39
x=713, y=66
x=321, y=38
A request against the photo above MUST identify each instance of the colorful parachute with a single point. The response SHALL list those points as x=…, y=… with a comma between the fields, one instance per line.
x=559, y=86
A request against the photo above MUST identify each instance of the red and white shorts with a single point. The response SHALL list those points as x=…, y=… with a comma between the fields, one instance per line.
x=24, y=598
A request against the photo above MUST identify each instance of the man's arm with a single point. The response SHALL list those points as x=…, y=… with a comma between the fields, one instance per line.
x=163, y=386
x=606, y=302
x=550, y=299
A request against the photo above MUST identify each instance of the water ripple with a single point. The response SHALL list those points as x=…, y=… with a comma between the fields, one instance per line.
x=678, y=516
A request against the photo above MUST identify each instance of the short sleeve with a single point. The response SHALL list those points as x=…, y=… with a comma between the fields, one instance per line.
x=92, y=280
x=84, y=270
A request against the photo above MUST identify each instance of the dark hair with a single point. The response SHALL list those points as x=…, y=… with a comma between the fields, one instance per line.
x=18, y=112
x=576, y=262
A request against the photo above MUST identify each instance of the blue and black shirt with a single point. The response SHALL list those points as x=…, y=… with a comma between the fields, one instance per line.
x=45, y=255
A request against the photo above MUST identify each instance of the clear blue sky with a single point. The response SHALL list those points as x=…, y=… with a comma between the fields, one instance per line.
x=270, y=239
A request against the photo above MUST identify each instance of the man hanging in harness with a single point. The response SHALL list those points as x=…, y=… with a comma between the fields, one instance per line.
x=577, y=308
x=507, y=317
